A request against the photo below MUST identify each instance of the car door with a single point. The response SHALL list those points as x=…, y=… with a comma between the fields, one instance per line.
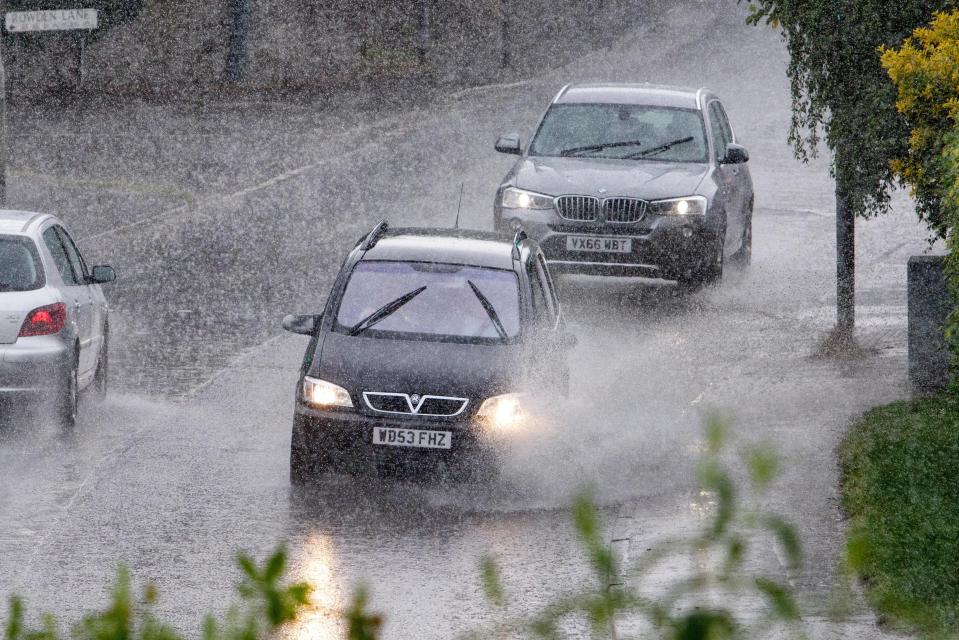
x=74, y=291
x=96, y=303
x=730, y=176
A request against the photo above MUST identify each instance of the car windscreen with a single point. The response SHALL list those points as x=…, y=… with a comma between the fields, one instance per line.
x=19, y=264
x=430, y=301
x=622, y=131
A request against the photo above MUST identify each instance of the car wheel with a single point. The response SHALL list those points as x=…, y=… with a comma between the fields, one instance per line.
x=744, y=256
x=101, y=377
x=302, y=466
x=709, y=273
x=69, y=398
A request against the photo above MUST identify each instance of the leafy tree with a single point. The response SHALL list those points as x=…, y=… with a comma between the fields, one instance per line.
x=842, y=94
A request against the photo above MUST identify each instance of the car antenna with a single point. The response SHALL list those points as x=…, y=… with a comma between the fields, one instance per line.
x=456, y=225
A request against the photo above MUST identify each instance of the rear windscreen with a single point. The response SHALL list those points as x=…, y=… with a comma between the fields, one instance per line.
x=19, y=264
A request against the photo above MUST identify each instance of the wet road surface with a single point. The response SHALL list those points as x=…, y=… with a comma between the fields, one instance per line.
x=216, y=240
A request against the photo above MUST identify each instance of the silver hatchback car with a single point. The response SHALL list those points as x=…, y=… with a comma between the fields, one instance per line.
x=53, y=317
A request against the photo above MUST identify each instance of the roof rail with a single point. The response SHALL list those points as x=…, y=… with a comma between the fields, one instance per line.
x=374, y=235
x=519, y=237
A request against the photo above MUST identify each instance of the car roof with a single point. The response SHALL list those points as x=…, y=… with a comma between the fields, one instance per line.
x=15, y=221
x=640, y=94
x=455, y=246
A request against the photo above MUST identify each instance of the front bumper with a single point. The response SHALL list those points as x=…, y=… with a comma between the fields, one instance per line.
x=347, y=436
x=668, y=247
x=33, y=368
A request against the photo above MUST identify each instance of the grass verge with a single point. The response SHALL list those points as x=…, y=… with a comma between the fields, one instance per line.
x=900, y=486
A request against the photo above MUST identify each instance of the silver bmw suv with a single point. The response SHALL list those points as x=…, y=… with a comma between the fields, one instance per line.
x=631, y=180
x=53, y=317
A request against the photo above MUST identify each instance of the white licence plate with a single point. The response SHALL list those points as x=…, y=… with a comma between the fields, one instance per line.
x=604, y=244
x=419, y=438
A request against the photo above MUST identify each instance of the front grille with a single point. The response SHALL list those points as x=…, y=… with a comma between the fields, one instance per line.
x=580, y=208
x=412, y=404
x=624, y=209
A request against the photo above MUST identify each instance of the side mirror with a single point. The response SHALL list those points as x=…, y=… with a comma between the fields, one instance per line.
x=102, y=274
x=304, y=325
x=568, y=340
x=509, y=144
x=735, y=154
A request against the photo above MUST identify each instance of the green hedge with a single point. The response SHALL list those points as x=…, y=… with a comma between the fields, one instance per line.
x=900, y=475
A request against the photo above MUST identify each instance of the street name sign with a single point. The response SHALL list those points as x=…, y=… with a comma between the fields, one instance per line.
x=52, y=20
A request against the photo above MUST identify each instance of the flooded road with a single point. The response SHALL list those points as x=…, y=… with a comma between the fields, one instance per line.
x=187, y=462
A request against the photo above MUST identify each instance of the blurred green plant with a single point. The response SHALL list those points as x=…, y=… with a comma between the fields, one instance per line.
x=698, y=604
x=899, y=489
x=266, y=603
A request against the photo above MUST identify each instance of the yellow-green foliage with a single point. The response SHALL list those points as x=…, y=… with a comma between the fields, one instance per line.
x=925, y=71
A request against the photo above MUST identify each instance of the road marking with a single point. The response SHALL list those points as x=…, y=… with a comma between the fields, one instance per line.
x=116, y=185
x=231, y=365
x=456, y=95
x=179, y=211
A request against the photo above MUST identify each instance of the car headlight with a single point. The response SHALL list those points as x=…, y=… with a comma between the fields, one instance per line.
x=689, y=206
x=514, y=198
x=502, y=412
x=321, y=393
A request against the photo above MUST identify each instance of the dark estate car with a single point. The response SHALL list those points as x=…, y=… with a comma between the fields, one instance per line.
x=637, y=180
x=426, y=348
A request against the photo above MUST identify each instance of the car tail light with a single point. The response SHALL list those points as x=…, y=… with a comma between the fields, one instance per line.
x=44, y=321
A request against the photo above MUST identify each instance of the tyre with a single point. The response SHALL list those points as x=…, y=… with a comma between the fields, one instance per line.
x=302, y=466
x=101, y=377
x=69, y=400
x=708, y=273
x=744, y=256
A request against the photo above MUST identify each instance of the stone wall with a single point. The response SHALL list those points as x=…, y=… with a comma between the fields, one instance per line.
x=179, y=47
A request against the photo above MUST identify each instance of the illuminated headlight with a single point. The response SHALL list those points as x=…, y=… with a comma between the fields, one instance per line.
x=514, y=198
x=690, y=206
x=321, y=393
x=503, y=412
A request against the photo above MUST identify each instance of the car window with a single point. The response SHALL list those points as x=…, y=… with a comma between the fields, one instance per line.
x=447, y=308
x=634, y=131
x=76, y=260
x=724, y=122
x=719, y=125
x=20, y=268
x=52, y=240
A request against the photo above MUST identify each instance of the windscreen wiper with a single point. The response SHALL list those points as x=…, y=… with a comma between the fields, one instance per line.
x=600, y=147
x=660, y=148
x=386, y=310
x=490, y=310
